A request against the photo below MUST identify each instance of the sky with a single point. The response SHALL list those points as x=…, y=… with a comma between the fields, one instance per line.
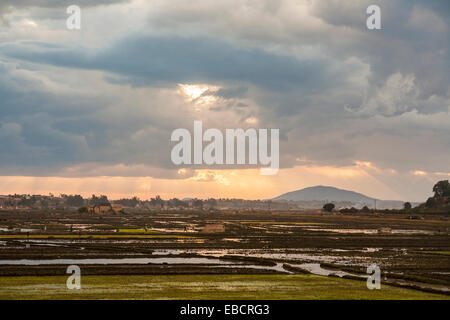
x=92, y=110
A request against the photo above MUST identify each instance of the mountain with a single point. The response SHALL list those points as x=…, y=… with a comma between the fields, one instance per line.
x=316, y=197
x=324, y=193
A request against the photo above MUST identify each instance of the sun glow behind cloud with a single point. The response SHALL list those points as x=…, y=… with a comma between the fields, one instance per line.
x=229, y=183
x=193, y=91
x=198, y=94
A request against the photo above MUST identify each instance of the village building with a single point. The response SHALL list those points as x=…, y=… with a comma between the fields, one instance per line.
x=214, y=228
x=104, y=208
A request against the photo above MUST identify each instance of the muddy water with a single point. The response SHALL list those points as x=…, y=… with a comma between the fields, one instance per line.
x=372, y=231
x=175, y=230
x=109, y=241
x=315, y=268
x=168, y=260
x=18, y=230
x=299, y=255
x=160, y=260
x=278, y=267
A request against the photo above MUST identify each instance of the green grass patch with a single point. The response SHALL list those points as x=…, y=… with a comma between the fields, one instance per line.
x=287, y=223
x=278, y=287
x=92, y=236
x=138, y=231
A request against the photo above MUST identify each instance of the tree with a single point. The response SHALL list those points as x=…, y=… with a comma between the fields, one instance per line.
x=73, y=200
x=82, y=210
x=365, y=209
x=198, y=203
x=157, y=201
x=98, y=200
x=349, y=210
x=175, y=202
x=328, y=207
x=133, y=202
x=442, y=189
x=407, y=206
x=211, y=202
x=431, y=202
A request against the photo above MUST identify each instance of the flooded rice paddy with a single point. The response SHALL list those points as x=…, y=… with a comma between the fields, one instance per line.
x=407, y=251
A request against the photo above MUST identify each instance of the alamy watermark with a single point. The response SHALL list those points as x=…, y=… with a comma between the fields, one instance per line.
x=374, y=278
x=73, y=22
x=216, y=153
x=374, y=19
x=74, y=280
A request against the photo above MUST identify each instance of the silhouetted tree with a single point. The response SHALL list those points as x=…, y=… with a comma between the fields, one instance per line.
x=211, y=202
x=198, y=203
x=157, y=201
x=430, y=202
x=133, y=202
x=347, y=210
x=442, y=189
x=328, y=207
x=407, y=206
x=175, y=202
x=73, y=200
x=82, y=210
x=98, y=200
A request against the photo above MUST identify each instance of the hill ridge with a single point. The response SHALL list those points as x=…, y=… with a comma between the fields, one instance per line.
x=321, y=192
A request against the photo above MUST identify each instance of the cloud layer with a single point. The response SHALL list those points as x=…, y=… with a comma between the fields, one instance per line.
x=104, y=100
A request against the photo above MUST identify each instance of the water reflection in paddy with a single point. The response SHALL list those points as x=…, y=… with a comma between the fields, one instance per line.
x=159, y=260
x=298, y=255
x=372, y=231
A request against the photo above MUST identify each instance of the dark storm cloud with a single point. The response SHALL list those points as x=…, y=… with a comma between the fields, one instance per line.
x=441, y=7
x=57, y=3
x=380, y=96
x=230, y=92
x=7, y=6
x=27, y=116
x=149, y=60
x=414, y=39
x=47, y=127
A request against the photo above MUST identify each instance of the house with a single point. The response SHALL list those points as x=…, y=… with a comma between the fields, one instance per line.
x=214, y=228
x=7, y=202
x=104, y=208
x=99, y=208
x=116, y=207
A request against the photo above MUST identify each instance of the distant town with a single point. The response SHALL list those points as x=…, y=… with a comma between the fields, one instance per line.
x=319, y=198
x=98, y=204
